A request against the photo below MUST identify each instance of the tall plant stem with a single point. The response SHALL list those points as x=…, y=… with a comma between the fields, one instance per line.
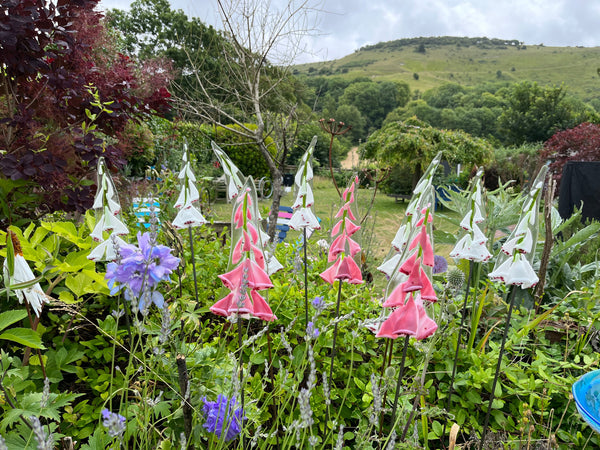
x=389, y=346
x=400, y=375
x=331, y=165
x=458, y=341
x=305, y=277
x=511, y=300
x=193, y=262
x=273, y=405
x=335, y=330
x=241, y=378
x=195, y=278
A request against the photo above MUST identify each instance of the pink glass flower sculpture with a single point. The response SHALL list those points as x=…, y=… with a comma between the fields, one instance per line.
x=514, y=264
x=235, y=182
x=410, y=285
x=344, y=248
x=107, y=207
x=188, y=215
x=248, y=273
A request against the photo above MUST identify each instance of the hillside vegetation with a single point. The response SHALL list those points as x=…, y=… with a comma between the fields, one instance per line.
x=425, y=63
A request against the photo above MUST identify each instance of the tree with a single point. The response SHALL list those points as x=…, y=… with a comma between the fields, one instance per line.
x=350, y=115
x=151, y=29
x=255, y=85
x=534, y=113
x=581, y=143
x=66, y=94
x=413, y=144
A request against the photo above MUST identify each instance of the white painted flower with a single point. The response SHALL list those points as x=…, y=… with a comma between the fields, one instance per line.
x=188, y=216
x=109, y=223
x=514, y=264
x=107, y=250
x=388, y=266
x=34, y=295
x=304, y=218
x=517, y=271
x=188, y=194
x=472, y=246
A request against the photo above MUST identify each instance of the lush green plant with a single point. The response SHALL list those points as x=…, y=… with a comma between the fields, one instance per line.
x=100, y=355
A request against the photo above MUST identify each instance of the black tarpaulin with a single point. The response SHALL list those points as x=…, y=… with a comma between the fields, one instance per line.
x=580, y=183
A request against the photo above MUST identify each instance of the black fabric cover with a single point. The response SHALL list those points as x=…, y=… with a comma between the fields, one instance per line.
x=580, y=183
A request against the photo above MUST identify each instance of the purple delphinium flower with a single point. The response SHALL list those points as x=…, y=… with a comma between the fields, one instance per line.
x=141, y=269
x=223, y=414
x=440, y=265
x=115, y=423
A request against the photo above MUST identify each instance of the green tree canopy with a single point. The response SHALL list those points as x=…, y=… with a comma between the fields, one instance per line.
x=413, y=144
x=152, y=29
x=534, y=113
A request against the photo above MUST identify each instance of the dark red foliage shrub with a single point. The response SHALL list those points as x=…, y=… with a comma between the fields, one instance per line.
x=55, y=56
x=581, y=143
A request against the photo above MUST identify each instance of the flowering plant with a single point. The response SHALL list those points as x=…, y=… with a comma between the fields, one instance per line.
x=140, y=270
x=222, y=417
x=344, y=248
x=188, y=215
x=472, y=246
x=303, y=216
x=248, y=275
x=514, y=264
x=107, y=207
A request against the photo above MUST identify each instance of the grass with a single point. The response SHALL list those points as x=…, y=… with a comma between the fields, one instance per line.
x=576, y=67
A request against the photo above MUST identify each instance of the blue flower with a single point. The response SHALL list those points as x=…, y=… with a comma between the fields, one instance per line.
x=318, y=303
x=115, y=423
x=223, y=414
x=141, y=269
x=312, y=332
x=440, y=265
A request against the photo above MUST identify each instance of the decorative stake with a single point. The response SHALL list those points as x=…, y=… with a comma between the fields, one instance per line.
x=303, y=217
x=514, y=267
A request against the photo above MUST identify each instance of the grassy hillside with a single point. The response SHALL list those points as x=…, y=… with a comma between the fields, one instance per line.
x=468, y=61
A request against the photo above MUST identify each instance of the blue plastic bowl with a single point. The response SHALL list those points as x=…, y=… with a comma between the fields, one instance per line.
x=586, y=391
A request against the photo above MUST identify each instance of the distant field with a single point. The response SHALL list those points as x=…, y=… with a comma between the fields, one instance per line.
x=576, y=67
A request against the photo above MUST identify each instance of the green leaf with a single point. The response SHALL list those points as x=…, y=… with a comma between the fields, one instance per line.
x=10, y=255
x=9, y=317
x=24, y=336
x=80, y=284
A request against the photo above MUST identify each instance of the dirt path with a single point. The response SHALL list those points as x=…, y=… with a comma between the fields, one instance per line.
x=351, y=160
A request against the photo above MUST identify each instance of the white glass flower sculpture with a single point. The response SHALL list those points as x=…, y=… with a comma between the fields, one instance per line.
x=417, y=202
x=303, y=217
x=514, y=264
x=107, y=207
x=472, y=245
x=188, y=215
x=22, y=273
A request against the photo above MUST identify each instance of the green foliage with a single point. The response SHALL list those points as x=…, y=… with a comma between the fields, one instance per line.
x=516, y=164
x=413, y=143
x=98, y=355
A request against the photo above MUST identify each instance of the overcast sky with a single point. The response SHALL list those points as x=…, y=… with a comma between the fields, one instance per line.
x=346, y=25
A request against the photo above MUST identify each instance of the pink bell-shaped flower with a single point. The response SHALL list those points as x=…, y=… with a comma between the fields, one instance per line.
x=403, y=321
x=250, y=273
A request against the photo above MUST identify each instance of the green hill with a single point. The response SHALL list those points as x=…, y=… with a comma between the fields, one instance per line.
x=425, y=63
